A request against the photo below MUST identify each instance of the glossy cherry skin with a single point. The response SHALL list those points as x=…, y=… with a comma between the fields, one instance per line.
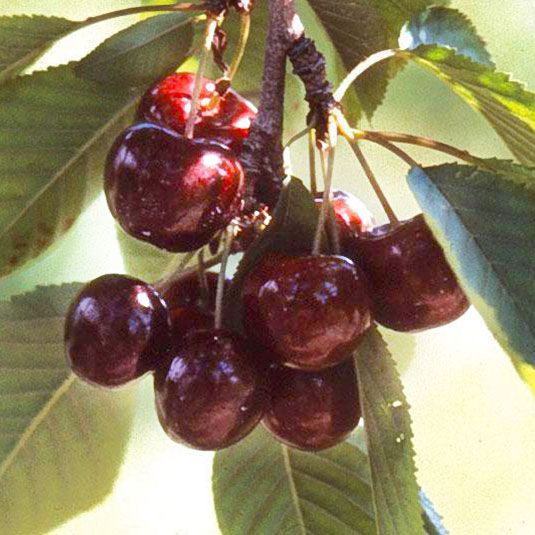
x=352, y=215
x=116, y=330
x=171, y=191
x=226, y=119
x=308, y=310
x=210, y=394
x=313, y=410
x=412, y=285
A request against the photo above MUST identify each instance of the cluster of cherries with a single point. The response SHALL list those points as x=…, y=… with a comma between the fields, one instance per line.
x=303, y=316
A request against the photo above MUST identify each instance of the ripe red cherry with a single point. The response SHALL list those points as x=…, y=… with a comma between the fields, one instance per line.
x=171, y=191
x=210, y=394
x=309, y=311
x=352, y=215
x=188, y=308
x=313, y=410
x=116, y=329
x=412, y=285
x=226, y=119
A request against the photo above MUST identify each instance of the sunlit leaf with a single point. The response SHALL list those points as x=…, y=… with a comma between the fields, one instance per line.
x=23, y=39
x=141, y=53
x=506, y=104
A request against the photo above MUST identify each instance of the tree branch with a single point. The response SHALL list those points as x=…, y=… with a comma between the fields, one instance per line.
x=262, y=151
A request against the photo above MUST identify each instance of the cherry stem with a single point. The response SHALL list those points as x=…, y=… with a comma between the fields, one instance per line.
x=245, y=27
x=227, y=246
x=374, y=182
x=328, y=169
x=421, y=142
x=211, y=26
x=361, y=68
x=180, y=274
x=312, y=161
x=142, y=9
x=203, y=281
x=331, y=215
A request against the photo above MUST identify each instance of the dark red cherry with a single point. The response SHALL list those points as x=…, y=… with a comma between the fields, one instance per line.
x=352, y=215
x=210, y=394
x=313, y=410
x=189, y=292
x=171, y=191
x=190, y=306
x=226, y=119
x=309, y=310
x=412, y=285
x=116, y=329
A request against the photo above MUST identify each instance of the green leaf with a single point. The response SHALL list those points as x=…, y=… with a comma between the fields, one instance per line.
x=141, y=53
x=486, y=225
x=290, y=231
x=358, y=28
x=262, y=486
x=297, y=492
x=445, y=27
x=55, y=130
x=506, y=104
x=141, y=259
x=61, y=442
x=388, y=430
x=23, y=39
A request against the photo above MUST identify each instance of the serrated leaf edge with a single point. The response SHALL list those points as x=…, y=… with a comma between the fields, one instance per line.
x=86, y=60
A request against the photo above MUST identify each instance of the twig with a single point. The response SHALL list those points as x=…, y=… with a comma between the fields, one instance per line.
x=227, y=245
x=374, y=183
x=361, y=68
x=421, y=142
x=211, y=26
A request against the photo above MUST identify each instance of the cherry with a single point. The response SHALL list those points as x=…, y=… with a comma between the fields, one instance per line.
x=412, y=285
x=171, y=191
x=313, y=410
x=116, y=329
x=189, y=292
x=226, y=118
x=309, y=311
x=352, y=215
x=209, y=395
x=189, y=309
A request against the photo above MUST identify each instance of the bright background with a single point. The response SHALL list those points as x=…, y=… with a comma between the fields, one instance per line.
x=474, y=420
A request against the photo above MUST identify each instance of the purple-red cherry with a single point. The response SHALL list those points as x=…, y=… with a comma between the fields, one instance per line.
x=313, y=410
x=412, y=285
x=191, y=306
x=116, y=330
x=352, y=215
x=226, y=118
x=310, y=311
x=210, y=394
x=171, y=191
